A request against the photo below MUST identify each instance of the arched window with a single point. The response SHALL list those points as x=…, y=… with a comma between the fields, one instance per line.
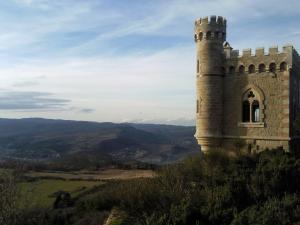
x=283, y=66
x=246, y=111
x=200, y=36
x=272, y=67
x=251, y=68
x=261, y=68
x=208, y=35
x=195, y=37
x=197, y=109
x=251, y=107
x=217, y=35
x=241, y=69
x=231, y=70
x=198, y=65
x=255, y=111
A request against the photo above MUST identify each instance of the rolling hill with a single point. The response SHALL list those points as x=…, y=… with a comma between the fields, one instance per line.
x=50, y=140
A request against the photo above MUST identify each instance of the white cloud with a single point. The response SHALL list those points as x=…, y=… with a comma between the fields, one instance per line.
x=116, y=87
x=132, y=86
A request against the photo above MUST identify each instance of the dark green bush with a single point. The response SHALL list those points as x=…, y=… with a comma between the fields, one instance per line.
x=285, y=211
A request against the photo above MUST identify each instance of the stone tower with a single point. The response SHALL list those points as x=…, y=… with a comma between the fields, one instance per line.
x=210, y=34
x=248, y=101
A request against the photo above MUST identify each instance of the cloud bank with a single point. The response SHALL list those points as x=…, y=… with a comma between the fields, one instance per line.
x=28, y=101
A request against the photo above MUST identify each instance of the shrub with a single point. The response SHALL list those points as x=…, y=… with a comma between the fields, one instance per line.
x=285, y=211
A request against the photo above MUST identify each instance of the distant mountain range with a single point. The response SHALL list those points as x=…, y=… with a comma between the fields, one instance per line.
x=50, y=140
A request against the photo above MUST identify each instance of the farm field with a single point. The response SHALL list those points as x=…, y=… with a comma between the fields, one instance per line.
x=41, y=193
x=40, y=189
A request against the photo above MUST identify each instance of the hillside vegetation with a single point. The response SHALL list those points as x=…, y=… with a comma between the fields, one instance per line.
x=260, y=189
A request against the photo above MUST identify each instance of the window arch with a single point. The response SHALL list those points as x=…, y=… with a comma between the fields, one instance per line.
x=283, y=66
x=241, y=69
x=208, y=35
x=231, y=70
x=251, y=68
x=272, y=67
x=262, y=68
x=251, y=107
x=200, y=36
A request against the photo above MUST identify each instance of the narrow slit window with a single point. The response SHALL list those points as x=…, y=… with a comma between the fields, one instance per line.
x=208, y=35
x=252, y=69
x=272, y=68
x=200, y=36
x=223, y=70
x=262, y=68
x=283, y=66
x=241, y=69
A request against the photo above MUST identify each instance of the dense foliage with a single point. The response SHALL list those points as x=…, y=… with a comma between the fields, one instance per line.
x=257, y=189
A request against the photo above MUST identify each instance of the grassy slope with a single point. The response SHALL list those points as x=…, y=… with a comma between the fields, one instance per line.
x=42, y=192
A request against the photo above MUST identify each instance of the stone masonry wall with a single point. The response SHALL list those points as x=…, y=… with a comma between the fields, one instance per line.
x=273, y=90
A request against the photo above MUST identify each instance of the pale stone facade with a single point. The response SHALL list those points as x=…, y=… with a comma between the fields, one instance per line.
x=252, y=99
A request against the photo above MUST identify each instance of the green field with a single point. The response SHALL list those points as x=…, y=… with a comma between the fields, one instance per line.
x=42, y=190
x=41, y=193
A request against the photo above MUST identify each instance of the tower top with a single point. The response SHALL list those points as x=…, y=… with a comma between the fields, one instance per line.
x=212, y=23
x=212, y=26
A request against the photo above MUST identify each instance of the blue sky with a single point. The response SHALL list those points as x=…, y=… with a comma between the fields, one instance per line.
x=120, y=61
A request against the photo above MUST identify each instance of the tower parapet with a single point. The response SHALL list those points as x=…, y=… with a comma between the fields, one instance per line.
x=260, y=51
x=210, y=28
x=271, y=59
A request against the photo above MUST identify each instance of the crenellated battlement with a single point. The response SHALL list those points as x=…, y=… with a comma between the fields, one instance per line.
x=212, y=20
x=210, y=28
x=260, y=52
x=259, y=60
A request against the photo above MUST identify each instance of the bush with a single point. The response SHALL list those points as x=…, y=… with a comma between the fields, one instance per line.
x=285, y=211
x=215, y=189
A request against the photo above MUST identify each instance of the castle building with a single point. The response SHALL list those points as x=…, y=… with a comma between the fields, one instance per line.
x=247, y=101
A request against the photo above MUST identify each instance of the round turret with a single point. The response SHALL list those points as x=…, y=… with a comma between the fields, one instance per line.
x=210, y=33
